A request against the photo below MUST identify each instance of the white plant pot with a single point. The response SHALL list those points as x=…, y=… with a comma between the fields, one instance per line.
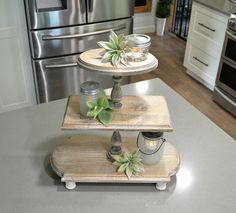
x=160, y=26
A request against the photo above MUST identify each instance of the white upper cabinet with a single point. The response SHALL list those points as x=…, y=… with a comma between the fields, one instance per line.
x=16, y=77
x=204, y=44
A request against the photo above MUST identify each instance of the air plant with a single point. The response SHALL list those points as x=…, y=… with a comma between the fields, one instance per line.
x=129, y=163
x=115, y=49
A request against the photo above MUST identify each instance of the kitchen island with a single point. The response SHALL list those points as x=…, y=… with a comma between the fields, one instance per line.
x=204, y=183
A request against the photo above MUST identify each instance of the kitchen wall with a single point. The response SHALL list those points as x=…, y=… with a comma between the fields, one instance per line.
x=145, y=22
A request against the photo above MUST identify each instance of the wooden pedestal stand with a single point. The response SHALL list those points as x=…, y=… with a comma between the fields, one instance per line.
x=83, y=158
x=91, y=61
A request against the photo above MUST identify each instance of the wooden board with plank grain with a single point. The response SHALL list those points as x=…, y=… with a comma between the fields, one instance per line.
x=138, y=113
x=83, y=159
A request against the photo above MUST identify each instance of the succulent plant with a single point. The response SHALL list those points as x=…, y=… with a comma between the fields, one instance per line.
x=115, y=49
x=129, y=163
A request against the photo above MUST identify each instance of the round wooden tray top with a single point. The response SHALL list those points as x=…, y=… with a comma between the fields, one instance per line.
x=91, y=60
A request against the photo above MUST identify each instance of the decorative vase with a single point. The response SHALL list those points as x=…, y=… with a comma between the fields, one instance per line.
x=160, y=26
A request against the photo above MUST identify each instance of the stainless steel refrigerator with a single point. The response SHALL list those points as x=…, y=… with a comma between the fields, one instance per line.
x=59, y=30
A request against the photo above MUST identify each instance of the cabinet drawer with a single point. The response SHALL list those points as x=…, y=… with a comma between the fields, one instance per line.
x=201, y=64
x=208, y=24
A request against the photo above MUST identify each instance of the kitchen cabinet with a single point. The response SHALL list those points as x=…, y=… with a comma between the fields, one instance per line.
x=204, y=44
x=16, y=81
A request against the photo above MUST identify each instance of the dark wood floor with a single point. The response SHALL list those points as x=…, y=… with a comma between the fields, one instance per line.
x=170, y=52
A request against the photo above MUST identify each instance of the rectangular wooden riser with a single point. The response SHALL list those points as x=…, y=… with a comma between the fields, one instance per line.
x=83, y=159
x=138, y=113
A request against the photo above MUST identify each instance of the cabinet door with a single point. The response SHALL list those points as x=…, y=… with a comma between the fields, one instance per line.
x=16, y=81
x=204, y=44
x=208, y=24
x=201, y=64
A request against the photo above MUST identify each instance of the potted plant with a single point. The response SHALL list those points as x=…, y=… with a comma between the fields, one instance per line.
x=162, y=12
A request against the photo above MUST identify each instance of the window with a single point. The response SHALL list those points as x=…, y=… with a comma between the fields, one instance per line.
x=142, y=6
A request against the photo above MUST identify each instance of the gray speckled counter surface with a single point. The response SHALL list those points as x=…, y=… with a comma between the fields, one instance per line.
x=223, y=6
x=204, y=183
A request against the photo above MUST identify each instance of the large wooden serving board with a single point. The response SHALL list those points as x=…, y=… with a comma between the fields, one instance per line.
x=83, y=159
x=91, y=60
x=138, y=113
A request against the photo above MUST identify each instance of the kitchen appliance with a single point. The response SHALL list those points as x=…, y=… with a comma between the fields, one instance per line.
x=59, y=30
x=225, y=88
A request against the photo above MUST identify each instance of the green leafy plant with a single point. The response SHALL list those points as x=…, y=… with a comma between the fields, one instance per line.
x=129, y=163
x=115, y=49
x=163, y=8
x=102, y=109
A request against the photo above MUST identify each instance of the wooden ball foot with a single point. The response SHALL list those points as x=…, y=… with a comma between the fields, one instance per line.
x=161, y=186
x=70, y=185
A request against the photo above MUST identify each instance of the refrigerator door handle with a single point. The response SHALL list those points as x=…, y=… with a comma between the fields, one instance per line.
x=82, y=6
x=51, y=37
x=51, y=66
x=90, y=5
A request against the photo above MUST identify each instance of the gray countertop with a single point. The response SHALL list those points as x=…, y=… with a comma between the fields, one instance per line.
x=204, y=183
x=223, y=6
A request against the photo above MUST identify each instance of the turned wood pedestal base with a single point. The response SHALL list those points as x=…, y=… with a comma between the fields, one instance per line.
x=83, y=159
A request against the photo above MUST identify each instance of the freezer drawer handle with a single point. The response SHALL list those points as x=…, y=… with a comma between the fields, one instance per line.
x=197, y=59
x=50, y=66
x=203, y=25
x=50, y=37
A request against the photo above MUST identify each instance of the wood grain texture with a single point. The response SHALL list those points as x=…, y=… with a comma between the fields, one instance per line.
x=83, y=159
x=91, y=60
x=138, y=113
x=170, y=50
